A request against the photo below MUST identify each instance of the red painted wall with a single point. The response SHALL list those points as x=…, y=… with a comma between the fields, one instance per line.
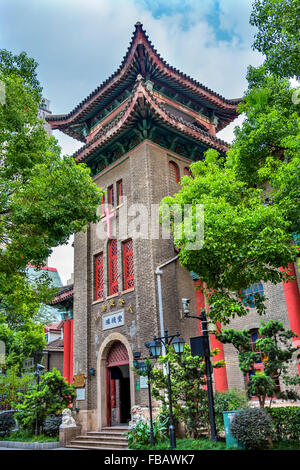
x=292, y=298
x=220, y=375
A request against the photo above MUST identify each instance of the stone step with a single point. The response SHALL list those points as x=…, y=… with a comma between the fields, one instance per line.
x=112, y=438
x=115, y=429
x=104, y=435
x=108, y=435
x=101, y=438
x=99, y=443
x=89, y=447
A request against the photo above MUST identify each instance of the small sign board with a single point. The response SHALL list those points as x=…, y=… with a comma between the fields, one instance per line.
x=143, y=382
x=113, y=320
x=80, y=394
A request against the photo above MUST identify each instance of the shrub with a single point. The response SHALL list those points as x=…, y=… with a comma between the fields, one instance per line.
x=51, y=396
x=229, y=400
x=7, y=423
x=140, y=435
x=51, y=425
x=252, y=428
x=286, y=421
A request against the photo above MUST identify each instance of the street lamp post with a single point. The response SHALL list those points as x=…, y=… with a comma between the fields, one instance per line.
x=146, y=367
x=210, y=394
x=208, y=366
x=155, y=347
x=38, y=372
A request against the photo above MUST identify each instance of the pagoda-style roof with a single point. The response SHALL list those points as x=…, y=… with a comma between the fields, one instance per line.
x=145, y=107
x=169, y=83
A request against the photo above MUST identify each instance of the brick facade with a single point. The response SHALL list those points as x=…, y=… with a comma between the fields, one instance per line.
x=145, y=176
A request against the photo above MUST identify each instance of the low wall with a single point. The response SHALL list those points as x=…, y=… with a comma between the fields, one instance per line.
x=29, y=445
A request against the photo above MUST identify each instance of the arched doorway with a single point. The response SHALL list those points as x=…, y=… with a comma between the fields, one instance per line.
x=117, y=385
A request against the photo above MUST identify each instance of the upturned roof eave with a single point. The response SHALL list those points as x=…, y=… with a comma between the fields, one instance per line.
x=112, y=130
x=139, y=37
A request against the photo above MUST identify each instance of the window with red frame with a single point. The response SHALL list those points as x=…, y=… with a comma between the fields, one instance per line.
x=173, y=172
x=99, y=277
x=128, y=264
x=113, y=267
x=111, y=196
x=120, y=191
x=187, y=171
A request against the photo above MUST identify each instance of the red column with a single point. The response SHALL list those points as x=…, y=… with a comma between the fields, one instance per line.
x=220, y=375
x=292, y=298
x=67, y=337
x=71, y=352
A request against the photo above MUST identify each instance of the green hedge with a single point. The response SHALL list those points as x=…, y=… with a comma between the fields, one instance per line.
x=286, y=421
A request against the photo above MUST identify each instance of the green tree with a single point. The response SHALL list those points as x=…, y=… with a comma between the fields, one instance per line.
x=274, y=348
x=245, y=239
x=189, y=397
x=50, y=397
x=278, y=36
x=11, y=384
x=22, y=66
x=44, y=196
x=266, y=149
x=22, y=341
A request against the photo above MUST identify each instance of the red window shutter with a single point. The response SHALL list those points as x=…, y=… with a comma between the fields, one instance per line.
x=113, y=267
x=99, y=280
x=128, y=264
x=174, y=173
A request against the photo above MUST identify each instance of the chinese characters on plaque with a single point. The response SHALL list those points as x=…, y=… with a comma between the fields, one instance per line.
x=113, y=320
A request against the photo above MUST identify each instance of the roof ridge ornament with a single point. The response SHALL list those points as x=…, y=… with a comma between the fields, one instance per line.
x=149, y=86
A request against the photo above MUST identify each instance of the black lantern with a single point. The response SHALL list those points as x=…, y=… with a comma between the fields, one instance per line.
x=178, y=345
x=155, y=348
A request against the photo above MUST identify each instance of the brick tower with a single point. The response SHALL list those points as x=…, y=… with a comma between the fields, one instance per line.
x=140, y=130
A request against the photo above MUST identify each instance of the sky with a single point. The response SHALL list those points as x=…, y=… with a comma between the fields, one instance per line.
x=79, y=43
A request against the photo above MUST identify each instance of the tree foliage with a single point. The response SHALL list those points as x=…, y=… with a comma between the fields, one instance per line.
x=266, y=149
x=11, y=384
x=245, y=240
x=44, y=196
x=189, y=397
x=22, y=342
x=274, y=350
x=278, y=36
x=50, y=397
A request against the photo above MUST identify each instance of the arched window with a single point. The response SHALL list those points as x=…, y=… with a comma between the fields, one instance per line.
x=113, y=267
x=187, y=171
x=249, y=294
x=173, y=173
